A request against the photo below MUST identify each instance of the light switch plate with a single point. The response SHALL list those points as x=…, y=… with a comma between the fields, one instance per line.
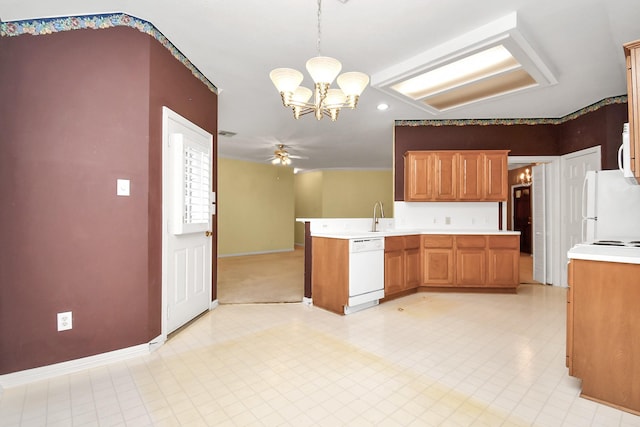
x=123, y=187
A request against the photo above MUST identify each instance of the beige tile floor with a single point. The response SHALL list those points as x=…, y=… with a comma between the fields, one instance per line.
x=428, y=359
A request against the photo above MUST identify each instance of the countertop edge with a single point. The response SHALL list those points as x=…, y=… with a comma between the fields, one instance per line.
x=391, y=233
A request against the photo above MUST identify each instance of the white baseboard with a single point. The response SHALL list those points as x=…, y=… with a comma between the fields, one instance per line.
x=63, y=368
x=275, y=251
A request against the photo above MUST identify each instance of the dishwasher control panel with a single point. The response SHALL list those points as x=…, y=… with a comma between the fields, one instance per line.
x=364, y=245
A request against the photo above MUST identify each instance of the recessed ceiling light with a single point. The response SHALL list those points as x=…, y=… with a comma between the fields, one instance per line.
x=382, y=106
x=490, y=61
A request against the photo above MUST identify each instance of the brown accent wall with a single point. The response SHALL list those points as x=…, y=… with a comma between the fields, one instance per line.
x=600, y=127
x=80, y=109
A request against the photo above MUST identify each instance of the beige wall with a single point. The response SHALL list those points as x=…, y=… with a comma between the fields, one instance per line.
x=255, y=207
x=341, y=194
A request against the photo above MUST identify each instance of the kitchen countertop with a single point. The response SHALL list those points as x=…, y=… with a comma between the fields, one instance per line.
x=628, y=255
x=355, y=234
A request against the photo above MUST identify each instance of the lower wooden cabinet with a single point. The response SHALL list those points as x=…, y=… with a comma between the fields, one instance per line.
x=504, y=261
x=603, y=326
x=437, y=260
x=401, y=264
x=471, y=261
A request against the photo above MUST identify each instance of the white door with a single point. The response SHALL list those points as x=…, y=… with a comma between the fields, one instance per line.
x=574, y=167
x=538, y=209
x=187, y=183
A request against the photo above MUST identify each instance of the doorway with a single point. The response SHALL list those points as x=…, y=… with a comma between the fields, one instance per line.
x=522, y=216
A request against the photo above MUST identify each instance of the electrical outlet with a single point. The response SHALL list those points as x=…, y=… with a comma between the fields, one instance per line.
x=447, y=220
x=65, y=321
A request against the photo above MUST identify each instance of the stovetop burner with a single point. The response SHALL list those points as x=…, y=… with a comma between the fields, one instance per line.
x=630, y=243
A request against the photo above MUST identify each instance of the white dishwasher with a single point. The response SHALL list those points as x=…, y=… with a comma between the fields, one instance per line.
x=366, y=273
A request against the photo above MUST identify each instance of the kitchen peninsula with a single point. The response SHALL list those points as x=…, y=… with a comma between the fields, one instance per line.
x=411, y=260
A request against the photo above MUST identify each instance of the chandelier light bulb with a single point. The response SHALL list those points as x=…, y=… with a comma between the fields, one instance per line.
x=323, y=69
x=286, y=80
x=353, y=82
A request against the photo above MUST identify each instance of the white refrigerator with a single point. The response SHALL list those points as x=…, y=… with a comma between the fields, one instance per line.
x=610, y=207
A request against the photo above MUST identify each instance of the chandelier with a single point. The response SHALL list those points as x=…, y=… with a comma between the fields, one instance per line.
x=525, y=177
x=323, y=70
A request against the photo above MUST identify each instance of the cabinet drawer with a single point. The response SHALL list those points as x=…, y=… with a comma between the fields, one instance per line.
x=506, y=242
x=437, y=241
x=470, y=241
x=412, y=242
x=393, y=243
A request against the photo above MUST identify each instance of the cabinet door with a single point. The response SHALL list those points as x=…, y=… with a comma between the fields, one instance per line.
x=495, y=177
x=569, y=348
x=446, y=175
x=418, y=176
x=412, y=268
x=504, y=261
x=471, y=176
x=393, y=272
x=503, y=268
x=470, y=267
x=632, y=54
x=437, y=267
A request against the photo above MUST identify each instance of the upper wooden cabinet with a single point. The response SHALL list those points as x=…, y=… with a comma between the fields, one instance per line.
x=438, y=176
x=632, y=54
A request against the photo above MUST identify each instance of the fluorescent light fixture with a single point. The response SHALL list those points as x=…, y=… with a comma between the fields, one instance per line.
x=490, y=61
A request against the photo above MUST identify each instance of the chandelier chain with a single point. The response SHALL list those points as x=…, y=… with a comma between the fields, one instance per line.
x=318, y=42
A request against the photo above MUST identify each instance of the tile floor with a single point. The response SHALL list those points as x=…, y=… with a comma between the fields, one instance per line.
x=423, y=360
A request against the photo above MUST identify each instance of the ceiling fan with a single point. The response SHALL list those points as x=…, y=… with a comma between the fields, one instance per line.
x=282, y=157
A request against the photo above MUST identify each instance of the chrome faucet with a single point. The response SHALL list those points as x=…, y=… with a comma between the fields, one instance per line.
x=374, y=226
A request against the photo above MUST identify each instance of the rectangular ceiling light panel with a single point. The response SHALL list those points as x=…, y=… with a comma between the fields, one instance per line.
x=491, y=61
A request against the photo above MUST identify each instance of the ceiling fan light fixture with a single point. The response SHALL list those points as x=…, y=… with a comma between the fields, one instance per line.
x=323, y=71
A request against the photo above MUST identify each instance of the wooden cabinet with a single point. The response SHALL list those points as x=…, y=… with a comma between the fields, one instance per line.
x=503, y=257
x=470, y=260
x=418, y=173
x=603, y=326
x=437, y=260
x=330, y=273
x=456, y=176
x=446, y=175
x=401, y=264
x=632, y=55
x=496, y=177
x=471, y=166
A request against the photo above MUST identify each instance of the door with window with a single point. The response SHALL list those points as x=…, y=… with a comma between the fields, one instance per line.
x=187, y=214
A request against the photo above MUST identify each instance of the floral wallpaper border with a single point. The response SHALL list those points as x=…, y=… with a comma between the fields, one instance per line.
x=37, y=27
x=507, y=122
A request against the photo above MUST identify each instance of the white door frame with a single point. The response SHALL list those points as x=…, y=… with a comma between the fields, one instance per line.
x=552, y=211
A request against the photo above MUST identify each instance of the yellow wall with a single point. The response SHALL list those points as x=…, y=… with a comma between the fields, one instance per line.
x=255, y=207
x=352, y=193
x=341, y=194
x=308, y=199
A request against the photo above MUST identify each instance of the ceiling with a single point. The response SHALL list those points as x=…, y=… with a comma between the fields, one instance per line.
x=235, y=44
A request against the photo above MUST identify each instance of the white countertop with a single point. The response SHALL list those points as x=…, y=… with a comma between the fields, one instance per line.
x=355, y=234
x=628, y=255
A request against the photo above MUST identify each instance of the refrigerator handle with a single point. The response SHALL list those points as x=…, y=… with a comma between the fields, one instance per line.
x=584, y=200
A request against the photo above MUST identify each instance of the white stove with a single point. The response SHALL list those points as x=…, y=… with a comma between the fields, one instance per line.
x=626, y=251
